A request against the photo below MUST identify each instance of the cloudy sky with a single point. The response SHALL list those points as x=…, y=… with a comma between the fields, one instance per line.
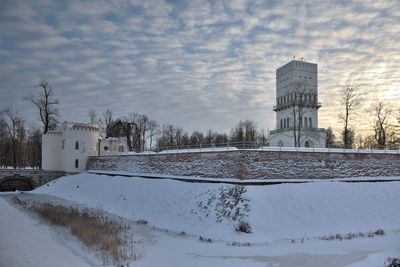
x=194, y=64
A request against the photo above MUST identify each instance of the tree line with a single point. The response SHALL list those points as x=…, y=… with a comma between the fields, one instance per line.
x=20, y=145
x=143, y=133
x=384, y=122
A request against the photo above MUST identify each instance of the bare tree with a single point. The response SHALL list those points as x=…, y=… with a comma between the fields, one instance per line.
x=107, y=119
x=4, y=144
x=350, y=138
x=46, y=105
x=170, y=136
x=244, y=131
x=153, y=131
x=196, y=138
x=330, y=138
x=143, y=123
x=383, y=123
x=92, y=115
x=13, y=123
x=34, y=147
x=350, y=100
x=263, y=137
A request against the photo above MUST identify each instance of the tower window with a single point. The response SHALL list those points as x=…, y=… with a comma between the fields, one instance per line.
x=77, y=163
x=310, y=122
x=305, y=121
x=76, y=145
x=281, y=124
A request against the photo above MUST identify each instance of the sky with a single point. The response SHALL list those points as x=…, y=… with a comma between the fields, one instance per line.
x=195, y=64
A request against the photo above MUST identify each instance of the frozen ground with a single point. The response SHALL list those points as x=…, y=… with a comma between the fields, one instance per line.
x=287, y=220
x=23, y=242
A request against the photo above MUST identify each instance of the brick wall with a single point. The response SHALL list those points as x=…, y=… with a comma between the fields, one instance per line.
x=251, y=164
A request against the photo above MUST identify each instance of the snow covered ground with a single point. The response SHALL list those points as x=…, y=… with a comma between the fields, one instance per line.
x=23, y=242
x=287, y=220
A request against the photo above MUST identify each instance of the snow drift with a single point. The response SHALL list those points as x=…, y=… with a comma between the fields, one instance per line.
x=274, y=212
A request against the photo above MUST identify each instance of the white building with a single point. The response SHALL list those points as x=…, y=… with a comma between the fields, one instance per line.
x=68, y=148
x=112, y=145
x=297, y=106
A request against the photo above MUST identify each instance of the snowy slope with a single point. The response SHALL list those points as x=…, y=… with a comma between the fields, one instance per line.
x=24, y=243
x=275, y=212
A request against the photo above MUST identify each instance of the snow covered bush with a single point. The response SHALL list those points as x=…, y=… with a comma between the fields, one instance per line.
x=243, y=227
x=392, y=262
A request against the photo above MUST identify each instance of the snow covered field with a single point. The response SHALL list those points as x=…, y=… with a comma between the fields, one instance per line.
x=287, y=220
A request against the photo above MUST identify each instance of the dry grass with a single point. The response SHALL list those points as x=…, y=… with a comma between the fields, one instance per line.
x=93, y=228
x=238, y=244
x=350, y=236
x=205, y=239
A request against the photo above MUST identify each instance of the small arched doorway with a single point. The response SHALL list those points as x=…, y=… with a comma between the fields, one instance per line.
x=280, y=143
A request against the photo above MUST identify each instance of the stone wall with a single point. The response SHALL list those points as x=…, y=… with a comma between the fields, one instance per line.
x=39, y=177
x=253, y=164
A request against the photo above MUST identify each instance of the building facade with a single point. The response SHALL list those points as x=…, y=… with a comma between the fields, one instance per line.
x=68, y=148
x=297, y=106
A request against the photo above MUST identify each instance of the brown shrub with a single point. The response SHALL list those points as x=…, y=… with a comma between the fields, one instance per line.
x=93, y=228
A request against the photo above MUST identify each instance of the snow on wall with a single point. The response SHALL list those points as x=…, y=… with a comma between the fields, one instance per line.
x=247, y=164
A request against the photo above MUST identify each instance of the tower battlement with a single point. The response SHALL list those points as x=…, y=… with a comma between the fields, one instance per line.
x=74, y=126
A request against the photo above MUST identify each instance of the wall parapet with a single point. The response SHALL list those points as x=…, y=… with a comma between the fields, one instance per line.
x=256, y=164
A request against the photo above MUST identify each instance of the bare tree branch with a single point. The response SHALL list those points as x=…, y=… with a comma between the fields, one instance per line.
x=46, y=104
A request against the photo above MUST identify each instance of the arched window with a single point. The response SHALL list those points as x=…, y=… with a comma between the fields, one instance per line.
x=288, y=122
x=76, y=163
x=76, y=145
x=305, y=121
x=310, y=122
x=281, y=124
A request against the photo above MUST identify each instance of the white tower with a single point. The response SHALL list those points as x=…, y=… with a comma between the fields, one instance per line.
x=297, y=106
x=68, y=148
